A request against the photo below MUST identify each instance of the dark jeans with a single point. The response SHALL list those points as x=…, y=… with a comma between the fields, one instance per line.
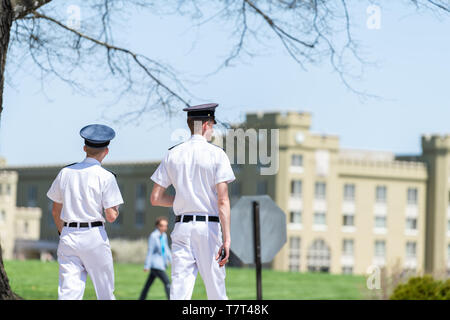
x=151, y=277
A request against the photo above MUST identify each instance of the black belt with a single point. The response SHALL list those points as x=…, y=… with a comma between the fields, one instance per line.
x=83, y=224
x=187, y=218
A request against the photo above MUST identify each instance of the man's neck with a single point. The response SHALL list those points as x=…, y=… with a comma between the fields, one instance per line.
x=99, y=159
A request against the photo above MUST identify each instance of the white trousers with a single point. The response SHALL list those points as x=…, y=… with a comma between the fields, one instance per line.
x=195, y=245
x=81, y=252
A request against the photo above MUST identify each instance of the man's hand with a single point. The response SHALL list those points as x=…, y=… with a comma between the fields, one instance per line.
x=56, y=212
x=226, y=247
x=223, y=203
x=145, y=270
x=112, y=214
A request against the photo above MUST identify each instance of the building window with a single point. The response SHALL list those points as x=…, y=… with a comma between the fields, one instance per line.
x=32, y=196
x=236, y=168
x=448, y=260
x=25, y=227
x=294, y=254
x=348, y=220
x=295, y=217
x=320, y=190
x=296, y=160
x=381, y=194
x=319, y=256
x=412, y=196
x=411, y=223
x=296, y=188
x=448, y=252
x=1, y=189
x=8, y=189
x=380, y=248
x=408, y=272
x=140, y=204
x=320, y=219
x=349, y=192
x=235, y=189
x=50, y=220
x=380, y=222
x=296, y=163
x=347, y=270
x=322, y=162
x=2, y=216
x=347, y=247
x=410, y=249
x=261, y=187
x=119, y=219
x=235, y=192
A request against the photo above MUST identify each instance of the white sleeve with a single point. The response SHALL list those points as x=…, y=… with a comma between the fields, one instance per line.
x=224, y=173
x=111, y=195
x=161, y=174
x=55, y=193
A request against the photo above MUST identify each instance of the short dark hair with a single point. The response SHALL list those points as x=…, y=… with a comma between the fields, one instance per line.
x=94, y=151
x=159, y=219
x=190, y=122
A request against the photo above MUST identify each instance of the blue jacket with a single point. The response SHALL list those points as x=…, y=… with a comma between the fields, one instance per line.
x=154, y=258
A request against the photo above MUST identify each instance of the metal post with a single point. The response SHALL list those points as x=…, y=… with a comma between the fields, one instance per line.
x=257, y=246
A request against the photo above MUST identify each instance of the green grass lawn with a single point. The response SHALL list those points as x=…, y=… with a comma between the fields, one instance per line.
x=33, y=279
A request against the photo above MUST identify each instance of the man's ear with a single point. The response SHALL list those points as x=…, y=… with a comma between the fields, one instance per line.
x=84, y=148
x=205, y=126
x=106, y=151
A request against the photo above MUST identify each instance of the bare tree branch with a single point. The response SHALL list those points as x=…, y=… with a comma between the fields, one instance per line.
x=23, y=7
x=136, y=57
x=309, y=31
x=444, y=5
x=276, y=28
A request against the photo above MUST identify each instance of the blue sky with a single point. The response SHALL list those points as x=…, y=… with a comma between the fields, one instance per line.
x=412, y=50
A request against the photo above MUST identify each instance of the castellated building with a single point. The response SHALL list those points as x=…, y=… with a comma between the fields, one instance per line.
x=346, y=210
x=18, y=225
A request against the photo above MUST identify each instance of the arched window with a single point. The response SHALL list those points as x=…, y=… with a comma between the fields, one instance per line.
x=319, y=256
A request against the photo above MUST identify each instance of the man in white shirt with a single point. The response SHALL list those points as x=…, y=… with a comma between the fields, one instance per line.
x=80, y=193
x=200, y=173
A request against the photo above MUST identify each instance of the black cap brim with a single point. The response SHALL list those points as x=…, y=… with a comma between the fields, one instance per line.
x=96, y=144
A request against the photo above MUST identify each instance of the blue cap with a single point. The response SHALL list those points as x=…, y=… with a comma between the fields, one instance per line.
x=97, y=135
x=202, y=111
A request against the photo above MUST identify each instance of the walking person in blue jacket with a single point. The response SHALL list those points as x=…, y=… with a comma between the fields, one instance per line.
x=158, y=257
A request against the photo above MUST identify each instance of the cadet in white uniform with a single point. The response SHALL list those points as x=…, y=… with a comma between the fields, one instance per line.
x=80, y=193
x=199, y=172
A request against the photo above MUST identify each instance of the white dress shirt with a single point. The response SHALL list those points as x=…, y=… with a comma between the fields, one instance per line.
x=194, y=167
x=85, y=189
